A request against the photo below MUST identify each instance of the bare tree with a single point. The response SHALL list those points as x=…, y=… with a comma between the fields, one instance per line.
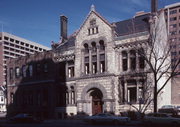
x=156, y=52
x=146, y=99
x=158, y=56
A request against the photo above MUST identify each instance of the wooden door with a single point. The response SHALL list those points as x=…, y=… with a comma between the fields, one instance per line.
x=96, y=106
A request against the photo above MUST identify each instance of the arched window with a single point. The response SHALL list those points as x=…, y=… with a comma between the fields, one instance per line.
x=133, y=59
x=93, y=46
x=86, y=48
x=124, y=61
x=102, y=47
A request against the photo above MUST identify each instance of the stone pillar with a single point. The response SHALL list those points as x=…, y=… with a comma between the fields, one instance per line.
x=80, y=107
x=125, y=91
x=137, y=61
x=98, y=59
x=67, y=71
x=116, y=96
x=70, y=98
x=120, y=62
x=105, y=51
x=137, y=91
x=90, y=60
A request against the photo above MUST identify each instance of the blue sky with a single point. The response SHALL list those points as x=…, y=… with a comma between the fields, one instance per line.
x=38, y=20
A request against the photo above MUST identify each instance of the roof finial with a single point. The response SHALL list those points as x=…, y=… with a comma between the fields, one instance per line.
x=92, y=7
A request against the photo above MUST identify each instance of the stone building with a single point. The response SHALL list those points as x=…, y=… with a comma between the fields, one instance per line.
x=96, y=69
x=12, y=46
x=172, y=14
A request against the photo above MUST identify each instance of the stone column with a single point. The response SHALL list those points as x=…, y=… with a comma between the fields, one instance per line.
x=80, y=107
x=125, y=91
x=70, y=98
x=67, y=71
x=116, y=96
x=105, y=51
x=98, y=59
x=120, y=62
x=90, y=60
x=137, y=61
x=137, y=91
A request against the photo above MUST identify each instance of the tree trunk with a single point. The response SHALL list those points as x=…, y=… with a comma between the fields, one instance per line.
x=155, y=97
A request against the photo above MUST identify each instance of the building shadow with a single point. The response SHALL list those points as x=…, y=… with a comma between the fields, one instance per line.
x=36, y=85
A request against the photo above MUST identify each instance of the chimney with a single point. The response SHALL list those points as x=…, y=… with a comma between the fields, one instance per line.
x=154, y=5
x=64, y=21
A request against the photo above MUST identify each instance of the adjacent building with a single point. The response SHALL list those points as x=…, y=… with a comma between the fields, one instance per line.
x=12, y=46
x=172, y=13
x=96, y=69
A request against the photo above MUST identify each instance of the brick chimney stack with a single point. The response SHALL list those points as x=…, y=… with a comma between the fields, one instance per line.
x=64, y=21
x=154, y=6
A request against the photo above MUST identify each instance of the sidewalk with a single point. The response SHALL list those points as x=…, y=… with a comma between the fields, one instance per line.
x=135, y=123
x=131, y=123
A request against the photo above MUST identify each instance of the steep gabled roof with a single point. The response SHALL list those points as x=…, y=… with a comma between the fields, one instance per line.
x=70, y=43
x=134, y=25
x=98, y=15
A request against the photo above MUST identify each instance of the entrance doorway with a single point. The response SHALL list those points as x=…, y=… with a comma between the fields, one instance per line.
x=97, y=104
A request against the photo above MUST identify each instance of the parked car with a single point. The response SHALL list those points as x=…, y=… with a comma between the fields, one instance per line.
x=161, y=119
x=178, y=108
x=169, y=109
x=23, y=118
x=106, y=118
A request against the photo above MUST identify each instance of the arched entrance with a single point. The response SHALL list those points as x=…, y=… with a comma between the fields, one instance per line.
x=97, y=103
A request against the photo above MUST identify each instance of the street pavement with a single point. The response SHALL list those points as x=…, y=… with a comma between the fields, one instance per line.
x=64, y=123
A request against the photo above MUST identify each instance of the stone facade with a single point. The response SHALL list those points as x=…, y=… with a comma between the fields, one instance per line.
x=96, y=69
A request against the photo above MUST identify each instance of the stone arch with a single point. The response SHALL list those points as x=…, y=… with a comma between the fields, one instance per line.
x=95, y=40
x=93, y=85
